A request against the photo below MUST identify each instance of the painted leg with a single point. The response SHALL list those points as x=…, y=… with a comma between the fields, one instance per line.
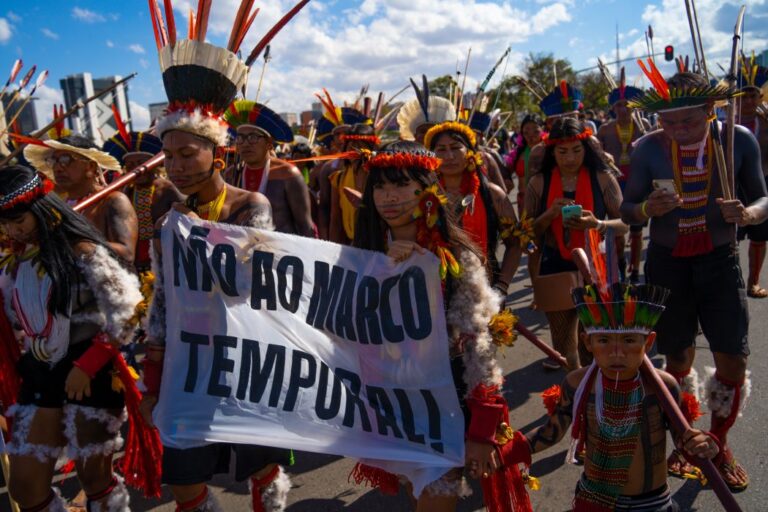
x=756, y=259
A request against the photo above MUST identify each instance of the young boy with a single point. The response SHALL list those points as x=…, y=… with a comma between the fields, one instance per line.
x=616, y=416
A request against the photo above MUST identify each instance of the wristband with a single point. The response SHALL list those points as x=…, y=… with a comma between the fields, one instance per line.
x=485, y=417
x=96, y=357
x=153, y=373
x=643, y=209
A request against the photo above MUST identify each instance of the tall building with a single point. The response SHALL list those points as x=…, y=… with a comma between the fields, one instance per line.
x=95, y=120
x=26, y=122
x=156, y=111
x=290, y=118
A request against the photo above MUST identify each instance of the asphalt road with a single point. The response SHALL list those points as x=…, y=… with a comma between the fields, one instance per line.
x=320, y=481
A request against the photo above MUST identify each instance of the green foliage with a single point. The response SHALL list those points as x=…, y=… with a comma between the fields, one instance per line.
x=539, y=71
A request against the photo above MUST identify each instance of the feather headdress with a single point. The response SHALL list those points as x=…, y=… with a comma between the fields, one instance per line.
x=425, y=109
x=664, y=98
x=200, y=79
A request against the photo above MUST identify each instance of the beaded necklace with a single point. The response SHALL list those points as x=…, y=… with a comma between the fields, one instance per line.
x=212, y=210
x=693, y=180
x=618, y=409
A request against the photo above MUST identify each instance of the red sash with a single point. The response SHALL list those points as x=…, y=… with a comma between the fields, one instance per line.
x=252, y=178
x=583, y=197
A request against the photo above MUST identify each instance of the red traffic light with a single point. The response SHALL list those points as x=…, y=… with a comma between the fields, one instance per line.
x=669, y=52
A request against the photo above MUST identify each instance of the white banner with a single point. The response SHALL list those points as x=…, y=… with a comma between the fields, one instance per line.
x=292, y=342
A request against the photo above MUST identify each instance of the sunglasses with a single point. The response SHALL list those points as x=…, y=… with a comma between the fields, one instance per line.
x=63, y=160
x=250, y=138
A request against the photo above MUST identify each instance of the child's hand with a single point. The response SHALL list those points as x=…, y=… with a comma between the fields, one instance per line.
x=699, y=444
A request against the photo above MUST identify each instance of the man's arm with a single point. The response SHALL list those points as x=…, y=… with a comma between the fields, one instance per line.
x=557, y=424
x=297, y=194
x=751, y=179
x=122, y=226
x=255, y=212
x=638, y=185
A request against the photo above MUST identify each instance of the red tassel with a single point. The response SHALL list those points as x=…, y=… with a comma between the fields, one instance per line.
x=504, y=491
x=9, y=356
x=370, y=476
x=692, y=244
x=142, y=463
x=690, y=407
x=551, y=397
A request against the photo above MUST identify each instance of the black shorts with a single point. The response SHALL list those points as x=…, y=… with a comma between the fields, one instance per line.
x=43, y=386
x=199, y=464
x=707, y=290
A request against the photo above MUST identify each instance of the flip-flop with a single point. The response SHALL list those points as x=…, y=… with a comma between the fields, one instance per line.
x=756, y=292
x=684, y=467
x=728, y=469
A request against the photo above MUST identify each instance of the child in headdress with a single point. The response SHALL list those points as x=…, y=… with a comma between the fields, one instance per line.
x=613, y=410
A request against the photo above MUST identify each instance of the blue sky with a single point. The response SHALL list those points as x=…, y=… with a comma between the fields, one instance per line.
x=341, y=44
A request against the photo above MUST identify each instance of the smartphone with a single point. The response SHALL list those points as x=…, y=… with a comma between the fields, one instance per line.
x=571, y=211
x=668, y=185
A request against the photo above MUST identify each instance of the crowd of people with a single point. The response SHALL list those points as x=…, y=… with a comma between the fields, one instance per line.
x=83, y=287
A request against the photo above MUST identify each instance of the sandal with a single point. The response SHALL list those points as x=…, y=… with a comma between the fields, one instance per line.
x=733, y=473
x=756, y=292
x=678, y=466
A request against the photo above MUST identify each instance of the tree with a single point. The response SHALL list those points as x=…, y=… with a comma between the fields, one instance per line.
x=441, y=86
x=539, y=72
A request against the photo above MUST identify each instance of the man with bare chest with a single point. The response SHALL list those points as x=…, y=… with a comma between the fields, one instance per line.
x=258, y=129
x=151, y=195
x=76, y=165
x=617, y=137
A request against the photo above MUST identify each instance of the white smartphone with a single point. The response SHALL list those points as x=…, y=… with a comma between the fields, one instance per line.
x=668, y=185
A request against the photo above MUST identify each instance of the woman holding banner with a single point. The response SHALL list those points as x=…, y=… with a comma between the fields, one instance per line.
x=65, y=290
x=403, y=210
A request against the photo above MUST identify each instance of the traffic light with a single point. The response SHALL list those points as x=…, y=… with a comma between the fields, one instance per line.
x=669, y=52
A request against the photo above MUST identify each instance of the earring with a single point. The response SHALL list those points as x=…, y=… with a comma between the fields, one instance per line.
x=219, y=164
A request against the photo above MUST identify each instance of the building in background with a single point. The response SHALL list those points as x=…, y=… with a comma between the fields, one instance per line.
x=26, y=123
x=95, y=120
x=290, y=118
x=156, y=111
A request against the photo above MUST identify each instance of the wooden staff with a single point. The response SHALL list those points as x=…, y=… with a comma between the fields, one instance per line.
x=460, y=101
x=377, y=109
x=263, y=70
x=551, y=353
x=693, y=33
x=730, y=133
x=80, y=104
x=121, y=182
x=678, y=422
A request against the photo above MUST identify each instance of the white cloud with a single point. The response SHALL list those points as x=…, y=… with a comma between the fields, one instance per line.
x=670, y=27
x=47, y=97
x=381, y=42
x=13, y=17
x=144, y=63
x=5, y=31
x=139, y=116
x=50, y=34
x=87, y=15
x=137, y=48
x=110, y=44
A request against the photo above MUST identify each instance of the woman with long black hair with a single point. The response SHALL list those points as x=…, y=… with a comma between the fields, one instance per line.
x=484, y=209
x=402, y=211
x=74, y=303
x=573, y=174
